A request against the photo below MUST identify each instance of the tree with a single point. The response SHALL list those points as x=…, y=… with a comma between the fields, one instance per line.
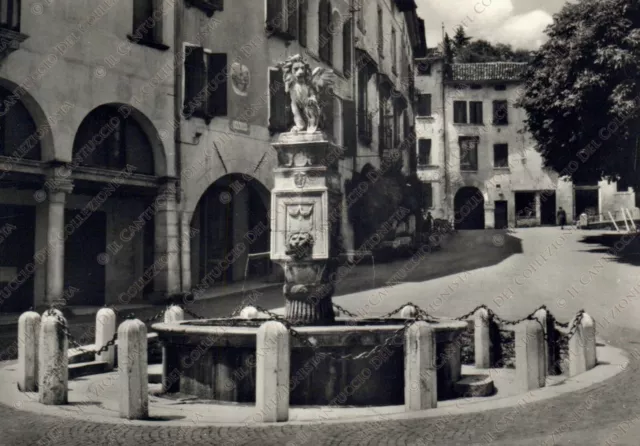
x=460, y=38
x=484, y=51
x=582, y=92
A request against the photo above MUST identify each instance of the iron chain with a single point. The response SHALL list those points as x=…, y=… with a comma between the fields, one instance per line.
x=344, y=310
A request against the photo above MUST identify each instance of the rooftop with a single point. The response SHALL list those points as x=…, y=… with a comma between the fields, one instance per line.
x=488, y=71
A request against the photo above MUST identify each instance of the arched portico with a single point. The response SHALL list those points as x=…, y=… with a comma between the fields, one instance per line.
x=230, y=221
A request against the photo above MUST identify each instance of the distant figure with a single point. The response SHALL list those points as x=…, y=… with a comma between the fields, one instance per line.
x=429, y=222
x=562, y=217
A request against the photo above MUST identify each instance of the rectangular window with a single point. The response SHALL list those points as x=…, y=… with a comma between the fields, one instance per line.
x=325, y=34
x=500, y=113
x=476, y=87
x=10, y=14
x=460, y=112
x=279, y=20
x=380, y=32
x=469, y=152
x=500, y=155
x=280, y=114
x=525, y=205
x=500, y=87
x=205, y=83
x=145, y=27
x=475, y=112
x=424, y=105
x=424, y=152
x=427, y=195
x=346, y=48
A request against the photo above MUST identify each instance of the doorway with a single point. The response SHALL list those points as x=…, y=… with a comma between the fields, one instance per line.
x=586, y=200
x=501, y=214
x=469, y=208
x=548, y=207
x=82, y=271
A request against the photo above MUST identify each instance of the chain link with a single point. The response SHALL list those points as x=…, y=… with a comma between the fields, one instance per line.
x=344, y=310
x=575, y=324
x=192, y=314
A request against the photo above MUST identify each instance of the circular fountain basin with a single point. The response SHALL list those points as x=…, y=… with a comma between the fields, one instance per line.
x=215, y=359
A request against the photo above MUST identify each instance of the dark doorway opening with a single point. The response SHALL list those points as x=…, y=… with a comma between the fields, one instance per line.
x=469, y=208
x=586, y=200
x=501, y=215
x=17, y=248
x=548, y=207
x=216, y=217
x=84, y=275
x=258, y=236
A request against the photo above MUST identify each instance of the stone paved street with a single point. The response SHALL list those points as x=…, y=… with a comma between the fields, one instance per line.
x=544, y=264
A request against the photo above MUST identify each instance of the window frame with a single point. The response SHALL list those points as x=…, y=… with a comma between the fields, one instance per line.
x=205, y=111
x=474, y=117
x=477, y=147
x=421, y=104
x=500, y=87
x=428, y=152
x=464, y=108
x=496, y=108
x=153, y=38
x=506, y=158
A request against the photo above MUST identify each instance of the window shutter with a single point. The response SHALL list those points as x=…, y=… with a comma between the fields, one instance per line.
x=346, y=48
x=277, y=102
x=194, y=73
x=274, y=15
x=324, y=40
x=142, y=10
x=217, y=77
x=292, y=14
x=349, y=128
x=302, y=22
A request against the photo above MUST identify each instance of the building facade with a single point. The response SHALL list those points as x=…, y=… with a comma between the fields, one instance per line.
x=136, y=157
x=479, y=166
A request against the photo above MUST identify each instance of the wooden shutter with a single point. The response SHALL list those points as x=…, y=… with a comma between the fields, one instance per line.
x=460, y=112
x=194, y=81
x=274, y=14
x=346, y=48
x=349, y=127
x=292, y=18
x=217, y=76
x=302, y=22
x=277, y=102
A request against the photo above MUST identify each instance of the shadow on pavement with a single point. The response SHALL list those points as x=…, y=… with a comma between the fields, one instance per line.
x=622, y=248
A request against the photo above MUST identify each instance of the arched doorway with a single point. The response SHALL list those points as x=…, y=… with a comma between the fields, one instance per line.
x=469, y=208
x=112, y=143
x=232, y=222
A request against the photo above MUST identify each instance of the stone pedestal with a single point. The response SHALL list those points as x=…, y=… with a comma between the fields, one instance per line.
x=482, y=339
x=132, y=358
x=53, y=362
x=105, y=329
x=28, y=333
x=305, y=222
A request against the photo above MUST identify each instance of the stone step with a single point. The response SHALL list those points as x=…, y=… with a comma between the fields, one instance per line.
x=87, y=368
x=474, y=385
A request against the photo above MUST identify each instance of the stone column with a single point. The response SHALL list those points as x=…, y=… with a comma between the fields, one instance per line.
x=186, y=250
x=530, y=364
x=305, y=224
x=53, y=360
x=132, y=363
x=28, y=334
x=167, y=246
x=420, y=375
x=57, y=188
x=105, y=329
x=272, y=372
x=482, y=339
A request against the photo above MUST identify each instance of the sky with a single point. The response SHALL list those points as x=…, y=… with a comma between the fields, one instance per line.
x=520, y=23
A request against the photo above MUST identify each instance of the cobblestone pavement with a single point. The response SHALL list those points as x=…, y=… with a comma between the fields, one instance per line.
x=605, y=414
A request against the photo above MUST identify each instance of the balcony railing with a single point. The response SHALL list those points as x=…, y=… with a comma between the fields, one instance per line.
x=10, y=14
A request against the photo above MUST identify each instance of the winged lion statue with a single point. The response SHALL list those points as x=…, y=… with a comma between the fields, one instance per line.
x=306, y=89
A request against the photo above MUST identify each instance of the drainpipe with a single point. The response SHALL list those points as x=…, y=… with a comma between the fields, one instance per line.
x=177, y=121
x=354, y=82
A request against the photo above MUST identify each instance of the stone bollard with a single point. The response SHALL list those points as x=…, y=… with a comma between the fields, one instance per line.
x=530, y=364
x=272, y=372
x=249, y=312
x=408, y=312
x=541, y=316
x=420, y=375
x=171, y=356
x=582, y=347
x=173, y=314
x=28, y=333
x=105, y=329
x=132, y=363
x=53, y=360
x=482, y=339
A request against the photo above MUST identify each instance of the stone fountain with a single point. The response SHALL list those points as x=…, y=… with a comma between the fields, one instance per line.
x=215, y=359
